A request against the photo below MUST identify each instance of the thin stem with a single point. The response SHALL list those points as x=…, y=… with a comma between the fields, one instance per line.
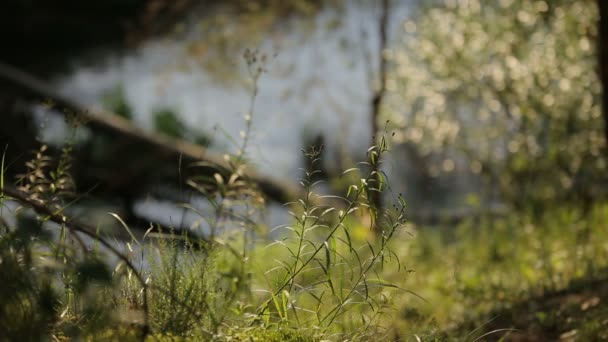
x=341, y=218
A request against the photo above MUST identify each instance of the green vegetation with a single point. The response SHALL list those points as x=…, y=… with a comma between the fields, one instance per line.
x=505, y=89
x=508, y=272
x=167, y=122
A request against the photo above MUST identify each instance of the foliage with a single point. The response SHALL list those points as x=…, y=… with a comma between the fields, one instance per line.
x=488, y=266
x=166, y=121
x=202, y=289
x=509, y=89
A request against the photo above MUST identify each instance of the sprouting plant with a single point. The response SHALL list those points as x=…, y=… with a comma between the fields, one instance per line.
x=330, y=274
x=47, y=182
x=35, y=181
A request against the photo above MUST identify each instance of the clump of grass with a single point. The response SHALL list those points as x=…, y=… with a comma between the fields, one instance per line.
x=186, y=276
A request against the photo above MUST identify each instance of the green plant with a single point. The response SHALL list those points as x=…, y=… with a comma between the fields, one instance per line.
x=186, y=276
x=328, y=279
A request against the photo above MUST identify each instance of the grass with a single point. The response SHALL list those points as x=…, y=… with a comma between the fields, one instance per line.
x=335, y=272
x=513, y=272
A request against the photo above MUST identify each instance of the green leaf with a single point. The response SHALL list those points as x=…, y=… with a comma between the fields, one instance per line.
x=125, y=226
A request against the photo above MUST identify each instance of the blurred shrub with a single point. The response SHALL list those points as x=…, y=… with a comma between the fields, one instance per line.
x=510, y=87
x=167, y=121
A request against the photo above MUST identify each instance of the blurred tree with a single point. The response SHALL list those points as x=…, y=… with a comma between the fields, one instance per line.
x=510, y=87
x=45, y=35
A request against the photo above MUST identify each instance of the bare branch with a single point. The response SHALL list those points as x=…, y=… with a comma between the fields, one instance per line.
x=163, y=147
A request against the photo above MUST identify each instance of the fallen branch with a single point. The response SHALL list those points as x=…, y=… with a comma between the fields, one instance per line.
x=164, y=148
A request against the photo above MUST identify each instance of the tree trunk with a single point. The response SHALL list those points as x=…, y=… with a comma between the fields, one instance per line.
x=602, y=45
x=378, y=96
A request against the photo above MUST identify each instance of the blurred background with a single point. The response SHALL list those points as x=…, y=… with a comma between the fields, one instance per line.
x=487, y=106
